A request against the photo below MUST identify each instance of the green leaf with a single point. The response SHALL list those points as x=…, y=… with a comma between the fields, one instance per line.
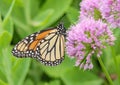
x=118, y=59
x=17, y=12
x=27, y=11
x=42, y=18
x=116, y=82
x=108, y=59
x=2, y=82
x=6, y=33
x=59, y=8
x=6, y=28
x=117, y=41
x=0, y=20
x=79, y=77
x=8, y=13
x=5, y=39
x=58, y=70
x=12, y=69
x=55, y=82
x=28, y=82
x=35, y=6
x=20, y=70
x=76, y=4
x=118, y=66
x=73, y=15
x=35, y=73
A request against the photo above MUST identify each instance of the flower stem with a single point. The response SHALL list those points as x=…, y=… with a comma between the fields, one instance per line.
x=116, y=64
x=105, y=71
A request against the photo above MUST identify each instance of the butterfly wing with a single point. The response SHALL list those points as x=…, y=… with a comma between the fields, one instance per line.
x=47, y=46
x=51, y=49
x=22, y=48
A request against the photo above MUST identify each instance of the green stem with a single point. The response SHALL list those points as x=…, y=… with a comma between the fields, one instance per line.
x=116, y=64
x=105, y=71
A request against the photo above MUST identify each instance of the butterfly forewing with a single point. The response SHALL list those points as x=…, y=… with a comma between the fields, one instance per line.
x=22, y=49
x=46, y=46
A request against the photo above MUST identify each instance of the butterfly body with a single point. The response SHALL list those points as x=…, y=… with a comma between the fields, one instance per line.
x=47, y=46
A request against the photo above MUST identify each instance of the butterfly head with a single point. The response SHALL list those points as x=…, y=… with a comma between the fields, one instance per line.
x=61, y=29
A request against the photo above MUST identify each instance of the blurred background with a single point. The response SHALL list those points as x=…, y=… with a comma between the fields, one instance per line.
x=20, y=18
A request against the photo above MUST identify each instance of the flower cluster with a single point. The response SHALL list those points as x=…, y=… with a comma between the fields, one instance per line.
x=93, y=31
x=110, y=11
x=86, y=38
x=88, y=8
x=107, y=10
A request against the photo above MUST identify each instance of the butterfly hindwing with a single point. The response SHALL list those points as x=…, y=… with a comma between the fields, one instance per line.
x=47, y=46
x=51, y=50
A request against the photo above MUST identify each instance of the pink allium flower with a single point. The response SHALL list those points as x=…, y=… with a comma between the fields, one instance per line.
x=86, y=38
x=107, y=10
x=88, y=7
x=110, y=11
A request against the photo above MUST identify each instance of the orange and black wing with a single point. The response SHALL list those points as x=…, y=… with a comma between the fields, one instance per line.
x=46, y=46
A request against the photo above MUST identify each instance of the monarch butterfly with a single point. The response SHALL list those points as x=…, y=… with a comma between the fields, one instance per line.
x=47, y=46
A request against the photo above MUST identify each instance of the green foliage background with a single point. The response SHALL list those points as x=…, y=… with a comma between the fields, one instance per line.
x=19, y=18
